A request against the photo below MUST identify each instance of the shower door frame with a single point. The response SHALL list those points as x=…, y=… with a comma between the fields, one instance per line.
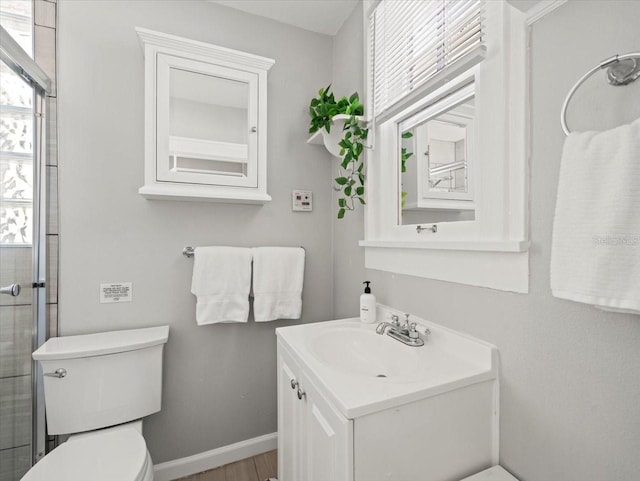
x=22, y=64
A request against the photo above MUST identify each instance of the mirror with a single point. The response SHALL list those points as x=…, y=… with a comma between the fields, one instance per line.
x=435, y=162
x=208, y=124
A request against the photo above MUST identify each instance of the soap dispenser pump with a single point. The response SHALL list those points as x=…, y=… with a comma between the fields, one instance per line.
x=367, y=305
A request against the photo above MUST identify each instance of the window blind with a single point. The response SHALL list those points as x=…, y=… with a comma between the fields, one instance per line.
x=412, y=40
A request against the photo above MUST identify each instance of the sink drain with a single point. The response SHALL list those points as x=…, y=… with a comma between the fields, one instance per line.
x=381, y=375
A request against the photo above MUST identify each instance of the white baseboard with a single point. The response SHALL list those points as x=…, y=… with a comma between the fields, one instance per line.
x=197, y=463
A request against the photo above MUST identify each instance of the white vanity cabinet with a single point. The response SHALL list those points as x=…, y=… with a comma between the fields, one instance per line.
x=333, y=426
x=315, y=442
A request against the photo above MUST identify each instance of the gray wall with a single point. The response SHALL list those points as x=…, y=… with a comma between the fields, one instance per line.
x=220, y=380
x=569, y=380
x=569, y=372
x=348, y=257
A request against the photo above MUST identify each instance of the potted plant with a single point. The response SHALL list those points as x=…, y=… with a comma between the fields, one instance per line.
x=326, y=112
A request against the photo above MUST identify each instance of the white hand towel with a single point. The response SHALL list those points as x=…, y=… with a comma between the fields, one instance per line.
x=278, y=273
x=221, y=282
x=595, y=256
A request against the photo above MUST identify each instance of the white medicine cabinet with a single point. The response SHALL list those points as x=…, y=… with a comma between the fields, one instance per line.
x=205, y=121
x=447, y=177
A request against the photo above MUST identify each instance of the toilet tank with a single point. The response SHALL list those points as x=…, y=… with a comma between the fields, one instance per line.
x=97, y=380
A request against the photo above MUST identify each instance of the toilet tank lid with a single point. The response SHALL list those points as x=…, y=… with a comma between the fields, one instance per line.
x=100, y=343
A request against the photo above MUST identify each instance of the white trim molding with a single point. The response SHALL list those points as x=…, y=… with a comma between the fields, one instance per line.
x=542, y=9
x=202, y=49
x=215, y=458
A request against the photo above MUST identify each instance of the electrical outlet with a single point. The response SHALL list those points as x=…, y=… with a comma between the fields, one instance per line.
x=302, y=201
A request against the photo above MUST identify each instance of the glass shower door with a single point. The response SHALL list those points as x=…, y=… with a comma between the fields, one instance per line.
x=22, y=254
x=16, y=272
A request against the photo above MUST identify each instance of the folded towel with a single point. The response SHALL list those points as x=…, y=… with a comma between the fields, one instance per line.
x=221, y=282
x=595, y=255
x=278, y=273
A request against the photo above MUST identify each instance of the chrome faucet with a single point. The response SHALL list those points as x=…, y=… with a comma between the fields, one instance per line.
x=406, y=327
x=394, y=324
x=406, y=333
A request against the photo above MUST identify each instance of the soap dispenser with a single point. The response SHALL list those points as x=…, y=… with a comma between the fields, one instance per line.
x=367, y=305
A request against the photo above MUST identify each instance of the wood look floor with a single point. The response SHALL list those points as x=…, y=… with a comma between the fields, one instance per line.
x=259, y=468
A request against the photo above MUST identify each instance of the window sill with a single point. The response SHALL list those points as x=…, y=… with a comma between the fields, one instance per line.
x=501, y=265
x=489, y=246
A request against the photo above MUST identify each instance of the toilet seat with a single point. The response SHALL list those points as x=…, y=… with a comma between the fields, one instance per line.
x=106, y=455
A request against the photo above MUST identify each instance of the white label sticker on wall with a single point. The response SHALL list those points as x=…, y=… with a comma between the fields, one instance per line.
x=120, y=292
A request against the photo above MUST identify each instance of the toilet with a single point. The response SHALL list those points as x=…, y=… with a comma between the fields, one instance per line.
x=97, y=388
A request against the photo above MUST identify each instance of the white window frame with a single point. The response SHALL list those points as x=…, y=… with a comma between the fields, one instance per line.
x=492, y=250
x=404, y=68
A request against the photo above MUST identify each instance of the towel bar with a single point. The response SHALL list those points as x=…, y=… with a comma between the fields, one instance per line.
x=190, y=251
x=621, y=70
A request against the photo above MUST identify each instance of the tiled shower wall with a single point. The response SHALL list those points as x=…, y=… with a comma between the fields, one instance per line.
x=45, y=55
x=16, y=323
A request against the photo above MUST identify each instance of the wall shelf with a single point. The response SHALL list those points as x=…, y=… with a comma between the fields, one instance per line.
x=331, y=140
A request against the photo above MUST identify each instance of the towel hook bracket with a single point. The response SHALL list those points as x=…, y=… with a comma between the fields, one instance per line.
x=190, y=251
x=621, y=70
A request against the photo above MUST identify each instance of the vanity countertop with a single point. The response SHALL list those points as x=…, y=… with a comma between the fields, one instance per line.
x=362, y=372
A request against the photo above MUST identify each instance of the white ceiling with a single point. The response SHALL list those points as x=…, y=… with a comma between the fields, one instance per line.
x=322, y=16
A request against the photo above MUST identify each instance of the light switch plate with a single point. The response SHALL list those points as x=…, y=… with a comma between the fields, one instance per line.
x=302, y=201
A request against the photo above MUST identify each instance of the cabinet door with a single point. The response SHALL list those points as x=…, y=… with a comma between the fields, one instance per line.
x=327, y=439
x=289, y=422
x=207, y=117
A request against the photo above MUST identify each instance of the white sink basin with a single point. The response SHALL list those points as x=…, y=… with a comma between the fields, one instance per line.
x=362, y=352
x=363, y=372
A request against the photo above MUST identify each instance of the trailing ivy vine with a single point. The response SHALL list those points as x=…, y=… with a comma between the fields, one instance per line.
x=404, y=156
x=351, y=177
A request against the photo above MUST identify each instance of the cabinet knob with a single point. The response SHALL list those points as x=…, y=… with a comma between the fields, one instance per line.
x=294, y=384
x=301, y=394
x=254, y=129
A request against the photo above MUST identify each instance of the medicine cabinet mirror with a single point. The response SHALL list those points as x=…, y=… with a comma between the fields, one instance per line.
x=435, y=161
x=205, y=121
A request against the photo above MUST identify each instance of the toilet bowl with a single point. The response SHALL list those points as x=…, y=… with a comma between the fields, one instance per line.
x=97, y=388
x=118, y=453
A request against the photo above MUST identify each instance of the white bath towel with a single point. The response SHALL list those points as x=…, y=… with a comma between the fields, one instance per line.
x=595, y=256
x=278, y=273
x=221, y=281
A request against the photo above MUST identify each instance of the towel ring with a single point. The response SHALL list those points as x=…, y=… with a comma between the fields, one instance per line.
x=621, y=70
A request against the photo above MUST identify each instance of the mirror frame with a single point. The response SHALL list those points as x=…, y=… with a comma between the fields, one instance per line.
x=163, y=50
